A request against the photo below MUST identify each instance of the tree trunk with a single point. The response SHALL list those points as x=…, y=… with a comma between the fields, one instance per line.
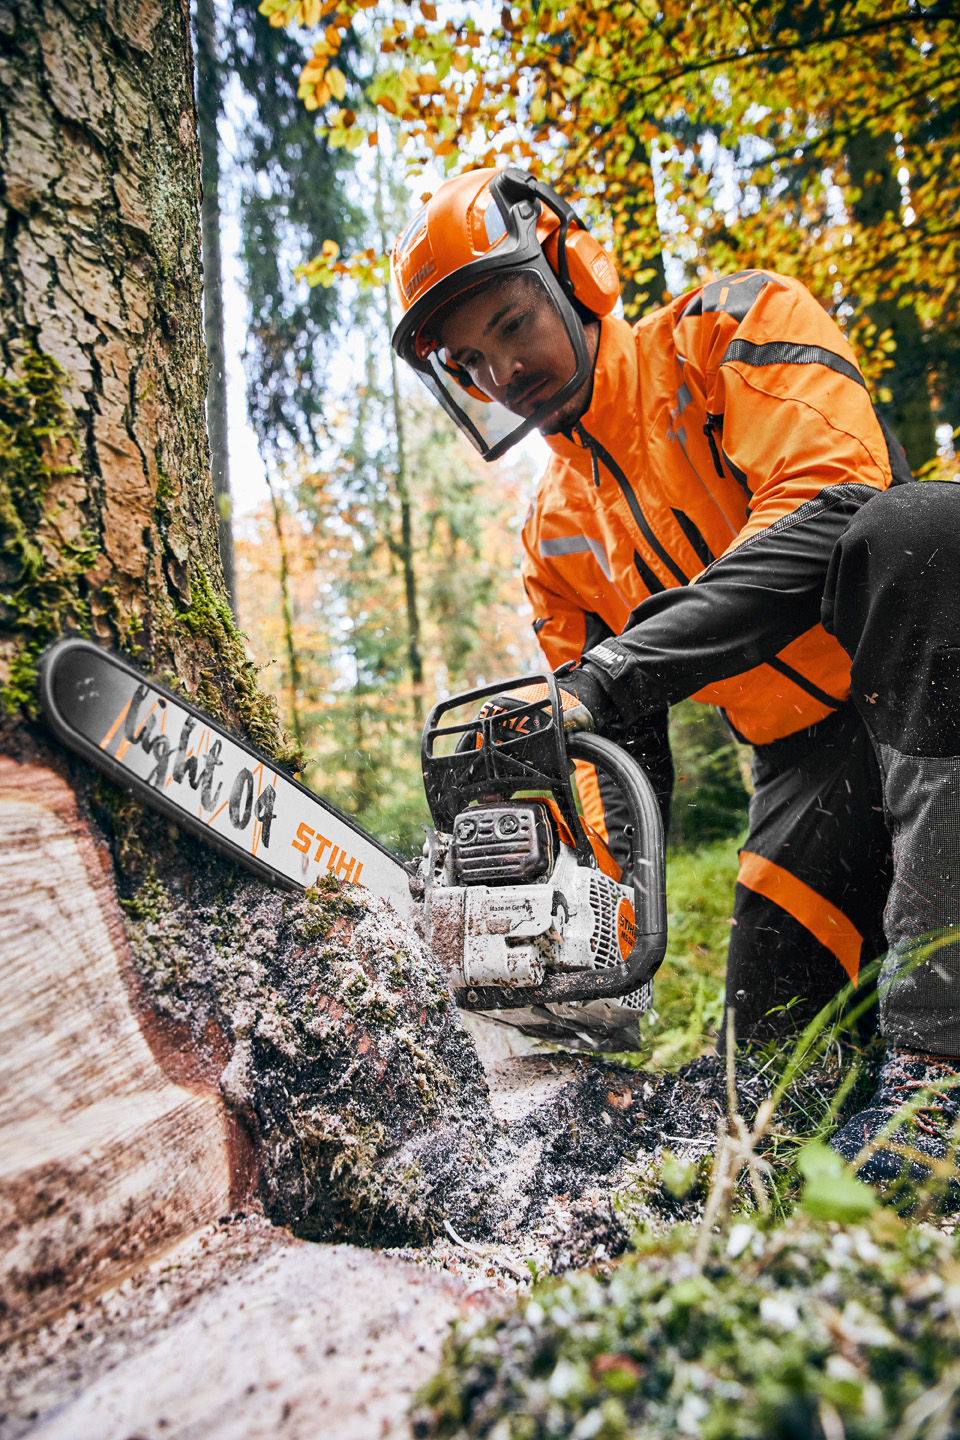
x=405, y=550
x=634, y=211
x=287, y=610
x=872, y=159
x=115, y=1135
x=174, y=1034
x=208, y=109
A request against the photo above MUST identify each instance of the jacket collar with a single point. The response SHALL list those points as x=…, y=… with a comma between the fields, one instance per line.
x=611, y=415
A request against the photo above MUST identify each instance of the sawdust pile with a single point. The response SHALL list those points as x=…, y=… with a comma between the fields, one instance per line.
x=368, y=1108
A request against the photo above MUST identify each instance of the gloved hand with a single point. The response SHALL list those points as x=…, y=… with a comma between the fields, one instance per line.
x=582, y=698
x=576, y=716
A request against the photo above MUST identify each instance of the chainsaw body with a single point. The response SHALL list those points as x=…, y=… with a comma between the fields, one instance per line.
x=524, y=908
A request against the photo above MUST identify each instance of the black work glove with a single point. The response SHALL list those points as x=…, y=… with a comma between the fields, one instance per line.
x=576, y=715
x=576, y=681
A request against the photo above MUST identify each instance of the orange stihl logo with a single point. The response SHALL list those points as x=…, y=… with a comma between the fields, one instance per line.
x=337, y=861
x=626, y=928
x=519, y=723
x=418, y=277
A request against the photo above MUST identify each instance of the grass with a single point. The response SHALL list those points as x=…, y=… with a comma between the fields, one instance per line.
x=688, y=989
x=827, y=1317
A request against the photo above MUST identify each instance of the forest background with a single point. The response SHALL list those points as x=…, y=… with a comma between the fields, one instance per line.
x=383, y=569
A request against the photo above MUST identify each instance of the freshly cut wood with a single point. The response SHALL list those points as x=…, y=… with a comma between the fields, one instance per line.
x=103, y=1158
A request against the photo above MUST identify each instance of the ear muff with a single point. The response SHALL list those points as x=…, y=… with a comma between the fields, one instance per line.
x=592, y=276
x=463, y=379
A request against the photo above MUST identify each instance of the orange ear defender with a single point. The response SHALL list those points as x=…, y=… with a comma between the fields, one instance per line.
x=593, y=281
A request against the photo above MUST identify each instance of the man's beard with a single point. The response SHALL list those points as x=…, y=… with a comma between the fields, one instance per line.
x=568, y=415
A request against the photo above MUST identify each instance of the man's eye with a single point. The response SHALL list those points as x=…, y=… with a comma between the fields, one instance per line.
x=512, y=325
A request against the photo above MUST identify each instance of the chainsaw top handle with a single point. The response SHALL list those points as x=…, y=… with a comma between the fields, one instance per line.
x=511, y=757
x=499, y=756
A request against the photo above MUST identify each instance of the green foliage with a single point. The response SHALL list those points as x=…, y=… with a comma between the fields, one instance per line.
x=46, y=554
x=831, y=1192
x=816, y=139
x=809, y=1329
x=688, y=988
x=709, y=796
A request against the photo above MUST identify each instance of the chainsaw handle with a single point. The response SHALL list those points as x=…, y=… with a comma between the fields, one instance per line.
x=649, y=887
x=649, y=863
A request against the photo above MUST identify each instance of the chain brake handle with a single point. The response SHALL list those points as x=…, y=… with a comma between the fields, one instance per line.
x=505, y=763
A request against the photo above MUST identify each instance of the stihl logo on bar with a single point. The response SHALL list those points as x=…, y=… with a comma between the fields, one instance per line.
x=337, y=862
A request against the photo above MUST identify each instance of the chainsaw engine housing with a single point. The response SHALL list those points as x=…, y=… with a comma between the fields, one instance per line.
x=520, y=902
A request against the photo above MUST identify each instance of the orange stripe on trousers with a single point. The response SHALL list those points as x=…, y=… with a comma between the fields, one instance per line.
x=824, y=921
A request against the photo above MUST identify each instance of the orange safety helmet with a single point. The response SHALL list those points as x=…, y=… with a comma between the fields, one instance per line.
x=478, y=228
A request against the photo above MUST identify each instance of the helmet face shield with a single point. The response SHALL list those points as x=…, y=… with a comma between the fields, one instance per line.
x=503, y=357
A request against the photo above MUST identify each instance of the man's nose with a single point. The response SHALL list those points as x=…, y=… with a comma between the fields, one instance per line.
x=505, y=366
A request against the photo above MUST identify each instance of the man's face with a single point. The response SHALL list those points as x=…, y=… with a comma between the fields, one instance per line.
x=514, y=345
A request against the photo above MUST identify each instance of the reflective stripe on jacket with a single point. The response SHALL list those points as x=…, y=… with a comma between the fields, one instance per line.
x=693, y=510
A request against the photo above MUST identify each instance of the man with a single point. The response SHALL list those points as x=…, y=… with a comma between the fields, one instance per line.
x=725, y=517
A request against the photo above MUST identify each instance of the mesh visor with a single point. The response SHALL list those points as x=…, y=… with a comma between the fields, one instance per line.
x=515, y=338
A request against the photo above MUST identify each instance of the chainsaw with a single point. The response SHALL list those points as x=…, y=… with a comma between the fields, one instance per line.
x=522, y=905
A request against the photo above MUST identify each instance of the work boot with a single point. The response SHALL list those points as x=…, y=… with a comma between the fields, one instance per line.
x=904, y=1074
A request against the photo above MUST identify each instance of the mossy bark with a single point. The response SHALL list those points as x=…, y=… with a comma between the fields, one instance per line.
x=106, y=503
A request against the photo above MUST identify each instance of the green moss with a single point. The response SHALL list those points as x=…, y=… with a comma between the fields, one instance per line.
x=783, y=1333
x=42, y=579
x=150, y=905
x=209, y=616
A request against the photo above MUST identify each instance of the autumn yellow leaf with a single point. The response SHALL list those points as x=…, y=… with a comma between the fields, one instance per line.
x=337, y=82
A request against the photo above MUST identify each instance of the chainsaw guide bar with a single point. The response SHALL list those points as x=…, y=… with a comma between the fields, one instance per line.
x=180, y=762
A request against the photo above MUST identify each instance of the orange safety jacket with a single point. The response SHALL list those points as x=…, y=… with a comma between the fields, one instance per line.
x=692, y=512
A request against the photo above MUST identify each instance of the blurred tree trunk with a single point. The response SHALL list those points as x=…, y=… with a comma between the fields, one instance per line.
x=873, y=166
x=405, y=548
x=636, y=215
x=208, y=109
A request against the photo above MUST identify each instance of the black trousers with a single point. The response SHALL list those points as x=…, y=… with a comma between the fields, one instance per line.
x=854, y=842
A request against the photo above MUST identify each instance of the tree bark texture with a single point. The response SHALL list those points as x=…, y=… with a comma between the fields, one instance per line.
x=208, y=109
x=109, y=523
x=223, y=1036
x=110, y=1147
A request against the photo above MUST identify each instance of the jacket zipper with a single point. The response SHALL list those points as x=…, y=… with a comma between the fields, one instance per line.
x=598, y=452
x=714, y=422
